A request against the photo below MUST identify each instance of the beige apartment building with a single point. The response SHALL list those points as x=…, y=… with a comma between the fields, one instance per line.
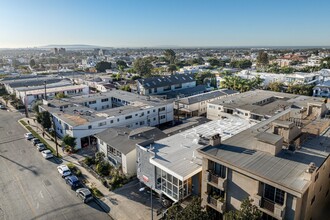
x=277, y=163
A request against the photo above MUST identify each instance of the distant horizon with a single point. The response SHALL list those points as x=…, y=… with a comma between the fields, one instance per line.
x=171, y=23
x=50, y=46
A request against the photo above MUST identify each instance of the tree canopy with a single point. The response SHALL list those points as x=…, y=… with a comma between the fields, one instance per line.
x=193, y=211
x=242, y=64
x=69, y=141
x=143, y=66
x=240, y=84
x=102, y=66
x=214, y=62
x=121, y=64
x=43, y=118
x=247, y=211
x=170, y=56
x=262, y=59
x=32, y=63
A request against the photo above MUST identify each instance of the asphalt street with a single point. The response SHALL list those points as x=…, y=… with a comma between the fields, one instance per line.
x=30, y=185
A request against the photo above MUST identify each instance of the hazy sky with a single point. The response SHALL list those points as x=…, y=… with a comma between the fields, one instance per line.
x=135, y=23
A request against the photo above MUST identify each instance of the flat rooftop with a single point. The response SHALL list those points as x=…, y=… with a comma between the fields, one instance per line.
x=205, y=96
x=133, y=98
x=286, y=168
x=178, y=153
x=253, y=101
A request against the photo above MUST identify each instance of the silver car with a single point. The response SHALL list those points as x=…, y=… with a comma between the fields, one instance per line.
x=85, y=195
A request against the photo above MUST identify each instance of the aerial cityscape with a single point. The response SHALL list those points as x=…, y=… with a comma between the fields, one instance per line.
x=173, y=110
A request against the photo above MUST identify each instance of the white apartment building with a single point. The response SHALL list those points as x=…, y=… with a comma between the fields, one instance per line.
x=84, y=116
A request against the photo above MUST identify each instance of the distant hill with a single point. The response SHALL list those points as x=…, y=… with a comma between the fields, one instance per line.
x=73, y=46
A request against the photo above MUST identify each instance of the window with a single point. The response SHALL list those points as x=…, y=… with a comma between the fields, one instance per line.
x=118, y=119
x=141, y=122
x=162, y=116
x=128, y=117
x=89, y=126
x=219, y=169
x=111, y=121
x=92, y=102
x=155, y=90
x=148, y=112
x=102, y=123
x=273, y=194
x=212, y=106
x=313, y=200
x=104, y=100
x=161, y=109
x=155, y=111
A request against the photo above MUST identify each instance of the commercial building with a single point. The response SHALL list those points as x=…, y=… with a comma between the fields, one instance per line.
x=282, y=167
x=164, y=84
x=196, y=105
x=259, y=105
x=31, y=88
x=84, y=116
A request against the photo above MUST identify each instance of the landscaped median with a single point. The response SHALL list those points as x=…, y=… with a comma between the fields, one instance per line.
x=36, y=135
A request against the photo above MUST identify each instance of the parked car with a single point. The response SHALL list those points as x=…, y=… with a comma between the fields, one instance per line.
x=28, y=136
x=72, y=181
x=64, y=170
x=84, y=194
x=41, y=147
x=35, y=141
x=2, y=107
x=47, y=154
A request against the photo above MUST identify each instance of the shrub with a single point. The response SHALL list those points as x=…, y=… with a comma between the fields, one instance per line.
x=103, y=168
x=89, y=161
x=71, y=166
x=96, y=192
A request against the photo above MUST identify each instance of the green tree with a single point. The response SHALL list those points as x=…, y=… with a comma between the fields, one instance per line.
x=214, y=62
x=121, y=63
x=242, y=64
x=143, y=66
x=69, y=141
x=44, y=119
x=200, y=77
x=170, y=56
x=262, y=59
x=99, y=156
x=171, y=68
x=125, y=88
x=275, y=86
x=193, y=211
x=60, y=96
x=247, y=211
x=32, y=63
x=102, y=66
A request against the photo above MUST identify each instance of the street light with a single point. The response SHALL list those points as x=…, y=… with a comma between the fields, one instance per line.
x=141, y=190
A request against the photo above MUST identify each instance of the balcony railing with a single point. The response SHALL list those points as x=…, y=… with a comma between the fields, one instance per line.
x=216, y=203
x=216, y=180
x=266, y=204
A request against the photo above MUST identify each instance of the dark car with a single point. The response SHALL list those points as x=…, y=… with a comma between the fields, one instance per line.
x=72, y=181
x=35, y=141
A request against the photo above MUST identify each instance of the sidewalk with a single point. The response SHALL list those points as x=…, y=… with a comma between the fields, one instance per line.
x=122, y=205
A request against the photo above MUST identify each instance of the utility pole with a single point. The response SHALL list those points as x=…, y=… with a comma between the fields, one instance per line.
x=55, y=136
x=45, y=83
x=25, y=104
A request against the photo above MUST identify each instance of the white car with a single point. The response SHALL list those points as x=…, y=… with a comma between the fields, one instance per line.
x=85, y=195
x=28, y=136
x=64, y=170
x=47, y=154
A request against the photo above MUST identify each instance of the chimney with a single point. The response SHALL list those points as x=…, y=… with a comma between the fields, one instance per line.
x=215, y=140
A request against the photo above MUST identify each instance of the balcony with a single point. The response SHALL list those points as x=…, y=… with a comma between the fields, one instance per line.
x=217, y=203
x=215, y=180
x=271, y=208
